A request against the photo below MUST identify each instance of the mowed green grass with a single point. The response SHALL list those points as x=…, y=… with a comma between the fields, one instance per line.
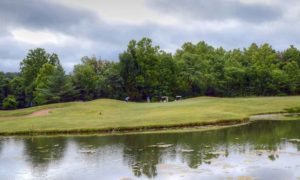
x=106, y=114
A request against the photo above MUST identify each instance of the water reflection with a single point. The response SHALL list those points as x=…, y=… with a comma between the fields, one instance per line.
x=1, y=145
x=41, y=151
x=156, y=155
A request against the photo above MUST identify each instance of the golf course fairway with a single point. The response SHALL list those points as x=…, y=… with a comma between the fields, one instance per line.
x=105, y=115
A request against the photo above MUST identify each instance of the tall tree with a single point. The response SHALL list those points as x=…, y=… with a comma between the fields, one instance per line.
x=139, y=68
x=291, y=54
x=30, y=67
x=16, y=88
x=52, y=85
x=3, y=87
x=234, y=74
x=84, y=78
x=145, y=70
x=193, y=63
x=167, y=76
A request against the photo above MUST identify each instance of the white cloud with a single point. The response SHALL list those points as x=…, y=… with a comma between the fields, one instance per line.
x=41, y=37
x=116, y=11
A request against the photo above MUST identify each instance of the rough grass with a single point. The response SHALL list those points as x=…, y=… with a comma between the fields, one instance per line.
x=108, y=114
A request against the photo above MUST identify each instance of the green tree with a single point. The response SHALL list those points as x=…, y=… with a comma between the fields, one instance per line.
x=3, y=87
x=139, y=66
x=193, y=62
x=167, y=74
x=30, y=67
x=85, y=77
x=145, y=70
x=113, y=82
x=16, y=88
x=292, y=54
x=261, y=61
x=10, y=102
x=105, y=74
x=292, y=71
x=234, y=74
x=52, y=85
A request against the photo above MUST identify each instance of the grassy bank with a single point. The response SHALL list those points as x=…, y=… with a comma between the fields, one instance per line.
x=107, y=115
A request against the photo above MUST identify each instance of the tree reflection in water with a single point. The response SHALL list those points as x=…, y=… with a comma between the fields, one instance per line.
x=143, y=152
x=201, y=147
x=41, y=151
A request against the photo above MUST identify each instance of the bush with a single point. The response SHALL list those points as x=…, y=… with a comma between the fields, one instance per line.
x=293, y=110
x=10, y=102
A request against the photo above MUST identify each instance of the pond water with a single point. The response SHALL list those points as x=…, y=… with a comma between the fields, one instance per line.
x=259, y=150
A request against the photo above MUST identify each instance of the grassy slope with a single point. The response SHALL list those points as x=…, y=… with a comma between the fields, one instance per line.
x=114, y=114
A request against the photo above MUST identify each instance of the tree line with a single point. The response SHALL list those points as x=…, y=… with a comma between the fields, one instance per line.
x=144, y=70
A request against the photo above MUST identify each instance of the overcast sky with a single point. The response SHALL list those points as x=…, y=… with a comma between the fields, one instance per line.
x=76, y=28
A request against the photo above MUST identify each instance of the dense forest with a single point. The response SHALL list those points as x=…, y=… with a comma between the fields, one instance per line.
x=144, y=70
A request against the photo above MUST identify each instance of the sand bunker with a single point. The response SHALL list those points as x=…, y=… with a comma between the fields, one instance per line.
x=43, y=112
x=39, y=113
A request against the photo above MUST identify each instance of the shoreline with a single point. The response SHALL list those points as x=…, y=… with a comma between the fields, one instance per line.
x=131, y=130
x=188, y=127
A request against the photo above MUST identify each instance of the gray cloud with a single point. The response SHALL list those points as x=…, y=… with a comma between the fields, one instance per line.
x=91, y=35
x=218, y=10
x=40, y=14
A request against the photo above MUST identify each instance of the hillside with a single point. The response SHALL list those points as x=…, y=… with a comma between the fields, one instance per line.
x=112, y=114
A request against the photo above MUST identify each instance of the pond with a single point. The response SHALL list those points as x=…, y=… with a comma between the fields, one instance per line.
x=259, y=150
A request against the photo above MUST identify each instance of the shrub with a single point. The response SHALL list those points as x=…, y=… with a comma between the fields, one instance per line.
x=293, y=110
x=10, y=102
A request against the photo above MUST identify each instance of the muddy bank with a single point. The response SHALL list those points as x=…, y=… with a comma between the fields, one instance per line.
x=275, y=116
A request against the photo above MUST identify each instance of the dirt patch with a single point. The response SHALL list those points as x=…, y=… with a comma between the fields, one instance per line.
x=43, y=112
x=39, y=113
